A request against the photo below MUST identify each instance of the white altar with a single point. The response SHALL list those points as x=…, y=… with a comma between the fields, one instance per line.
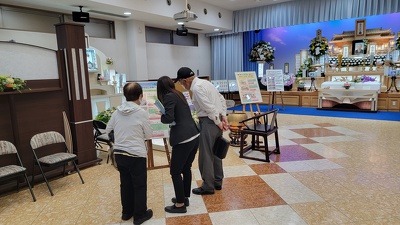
x=362, y=96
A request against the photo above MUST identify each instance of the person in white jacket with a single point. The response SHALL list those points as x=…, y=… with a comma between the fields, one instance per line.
x=131, y=127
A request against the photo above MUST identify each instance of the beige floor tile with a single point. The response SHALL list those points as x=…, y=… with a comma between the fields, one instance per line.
x=352, y=178
x=320, y=213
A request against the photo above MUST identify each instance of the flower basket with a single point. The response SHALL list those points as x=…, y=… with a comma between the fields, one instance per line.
x=105, y=115
x=346, y=85
x=262, y=51
x=8, y=83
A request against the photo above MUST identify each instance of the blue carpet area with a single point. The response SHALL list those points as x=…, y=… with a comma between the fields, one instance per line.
x=380, y=115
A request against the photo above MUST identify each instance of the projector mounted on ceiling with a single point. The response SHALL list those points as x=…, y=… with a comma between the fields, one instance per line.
x=185, y=16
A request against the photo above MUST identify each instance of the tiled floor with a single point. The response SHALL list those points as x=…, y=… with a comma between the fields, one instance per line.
x=330, y=171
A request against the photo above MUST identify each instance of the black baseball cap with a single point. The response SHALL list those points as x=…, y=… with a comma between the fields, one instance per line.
x=183, y=72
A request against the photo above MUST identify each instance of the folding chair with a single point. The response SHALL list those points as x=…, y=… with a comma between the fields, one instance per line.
x=100, y=137
x=41, y=140
x=15, y=170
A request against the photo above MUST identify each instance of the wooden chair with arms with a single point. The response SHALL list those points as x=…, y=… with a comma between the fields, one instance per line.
x=260, y=125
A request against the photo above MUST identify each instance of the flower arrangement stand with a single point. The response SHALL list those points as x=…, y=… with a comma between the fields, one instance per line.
x=392, y=85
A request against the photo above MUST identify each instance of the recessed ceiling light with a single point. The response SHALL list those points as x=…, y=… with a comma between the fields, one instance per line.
x=127, y=13
x=216, y=29
x=181, y=23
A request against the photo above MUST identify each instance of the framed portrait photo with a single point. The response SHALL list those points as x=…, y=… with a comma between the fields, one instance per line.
x=372, y=49
x=360, y=28
x=358, y=47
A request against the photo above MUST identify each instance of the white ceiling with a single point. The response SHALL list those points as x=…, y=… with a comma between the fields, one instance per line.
x=235, y=5
x=143, y=10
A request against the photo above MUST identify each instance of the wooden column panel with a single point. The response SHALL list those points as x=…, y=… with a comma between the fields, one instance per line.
x=72, y=51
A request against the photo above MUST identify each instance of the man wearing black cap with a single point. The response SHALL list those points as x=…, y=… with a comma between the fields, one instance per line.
x=211, y=109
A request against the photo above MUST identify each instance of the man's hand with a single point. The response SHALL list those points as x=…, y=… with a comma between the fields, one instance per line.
x=225, y=123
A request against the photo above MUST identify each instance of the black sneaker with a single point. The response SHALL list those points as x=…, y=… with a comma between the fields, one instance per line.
x=173, y=200
x=174, y=209
x=147, y=216
x=218, y=187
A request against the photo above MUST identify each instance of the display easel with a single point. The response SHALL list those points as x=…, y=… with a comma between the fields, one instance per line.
x=150, y=157
x=272, y=101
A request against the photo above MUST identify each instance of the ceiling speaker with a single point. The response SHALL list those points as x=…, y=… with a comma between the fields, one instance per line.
x=181, y=31
x=80, y=17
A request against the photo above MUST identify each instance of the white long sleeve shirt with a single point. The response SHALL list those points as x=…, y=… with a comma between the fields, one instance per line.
x=207, y=100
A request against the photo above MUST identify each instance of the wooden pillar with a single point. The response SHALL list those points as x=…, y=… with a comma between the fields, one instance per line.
x=72, y=51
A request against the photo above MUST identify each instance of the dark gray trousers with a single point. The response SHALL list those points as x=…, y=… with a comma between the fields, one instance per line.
x=210, y=166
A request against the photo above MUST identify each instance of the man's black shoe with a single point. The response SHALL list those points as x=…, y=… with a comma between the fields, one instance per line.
x=147, y=216
x=218, y=187
x=173, y=200
x=126, y=216
x=174, y=209
x=200, y=191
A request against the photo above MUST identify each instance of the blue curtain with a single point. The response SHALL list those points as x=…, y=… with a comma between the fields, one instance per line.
x=309, y=11
x=226, y=56
x=249, y=39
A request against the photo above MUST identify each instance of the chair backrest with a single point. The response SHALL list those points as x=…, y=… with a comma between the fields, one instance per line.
x=46, y=138
x=7, y=148
x=260, y=121
x=97, y=125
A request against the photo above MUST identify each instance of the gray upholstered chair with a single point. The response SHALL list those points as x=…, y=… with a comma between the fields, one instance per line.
x=15, y=169
x=53, y=160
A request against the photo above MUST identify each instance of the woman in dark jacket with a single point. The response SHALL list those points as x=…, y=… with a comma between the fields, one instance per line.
x=184, y=139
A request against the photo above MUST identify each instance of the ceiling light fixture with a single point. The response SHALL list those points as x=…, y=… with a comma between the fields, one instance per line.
x=127, y=13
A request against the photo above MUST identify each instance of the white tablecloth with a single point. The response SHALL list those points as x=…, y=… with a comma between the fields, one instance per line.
x=358, y=86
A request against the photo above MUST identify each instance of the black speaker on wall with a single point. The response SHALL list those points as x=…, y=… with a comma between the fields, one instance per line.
x=80, y=17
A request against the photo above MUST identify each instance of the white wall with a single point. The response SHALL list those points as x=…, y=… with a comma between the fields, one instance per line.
x=159, y=60
x=114, y=48
x=165, y=59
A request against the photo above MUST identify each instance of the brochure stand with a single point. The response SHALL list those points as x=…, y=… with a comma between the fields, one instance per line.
x=272, y=101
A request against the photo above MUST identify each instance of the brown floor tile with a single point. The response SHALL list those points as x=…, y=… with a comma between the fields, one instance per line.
x=303, y=141
x=203, y=219
x=316, y=132
x=242, y=193
x=325, y=124
x=294, y=153
x=266, y=168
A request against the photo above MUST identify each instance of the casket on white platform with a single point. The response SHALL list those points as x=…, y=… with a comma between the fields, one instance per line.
x=360, y=96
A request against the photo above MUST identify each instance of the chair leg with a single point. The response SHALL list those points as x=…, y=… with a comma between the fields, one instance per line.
x=30, y=188
x=77, y=170
x=45, y=179
x=277, y=151
x=241, y=145
x=33, y=174
x=266, y=148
